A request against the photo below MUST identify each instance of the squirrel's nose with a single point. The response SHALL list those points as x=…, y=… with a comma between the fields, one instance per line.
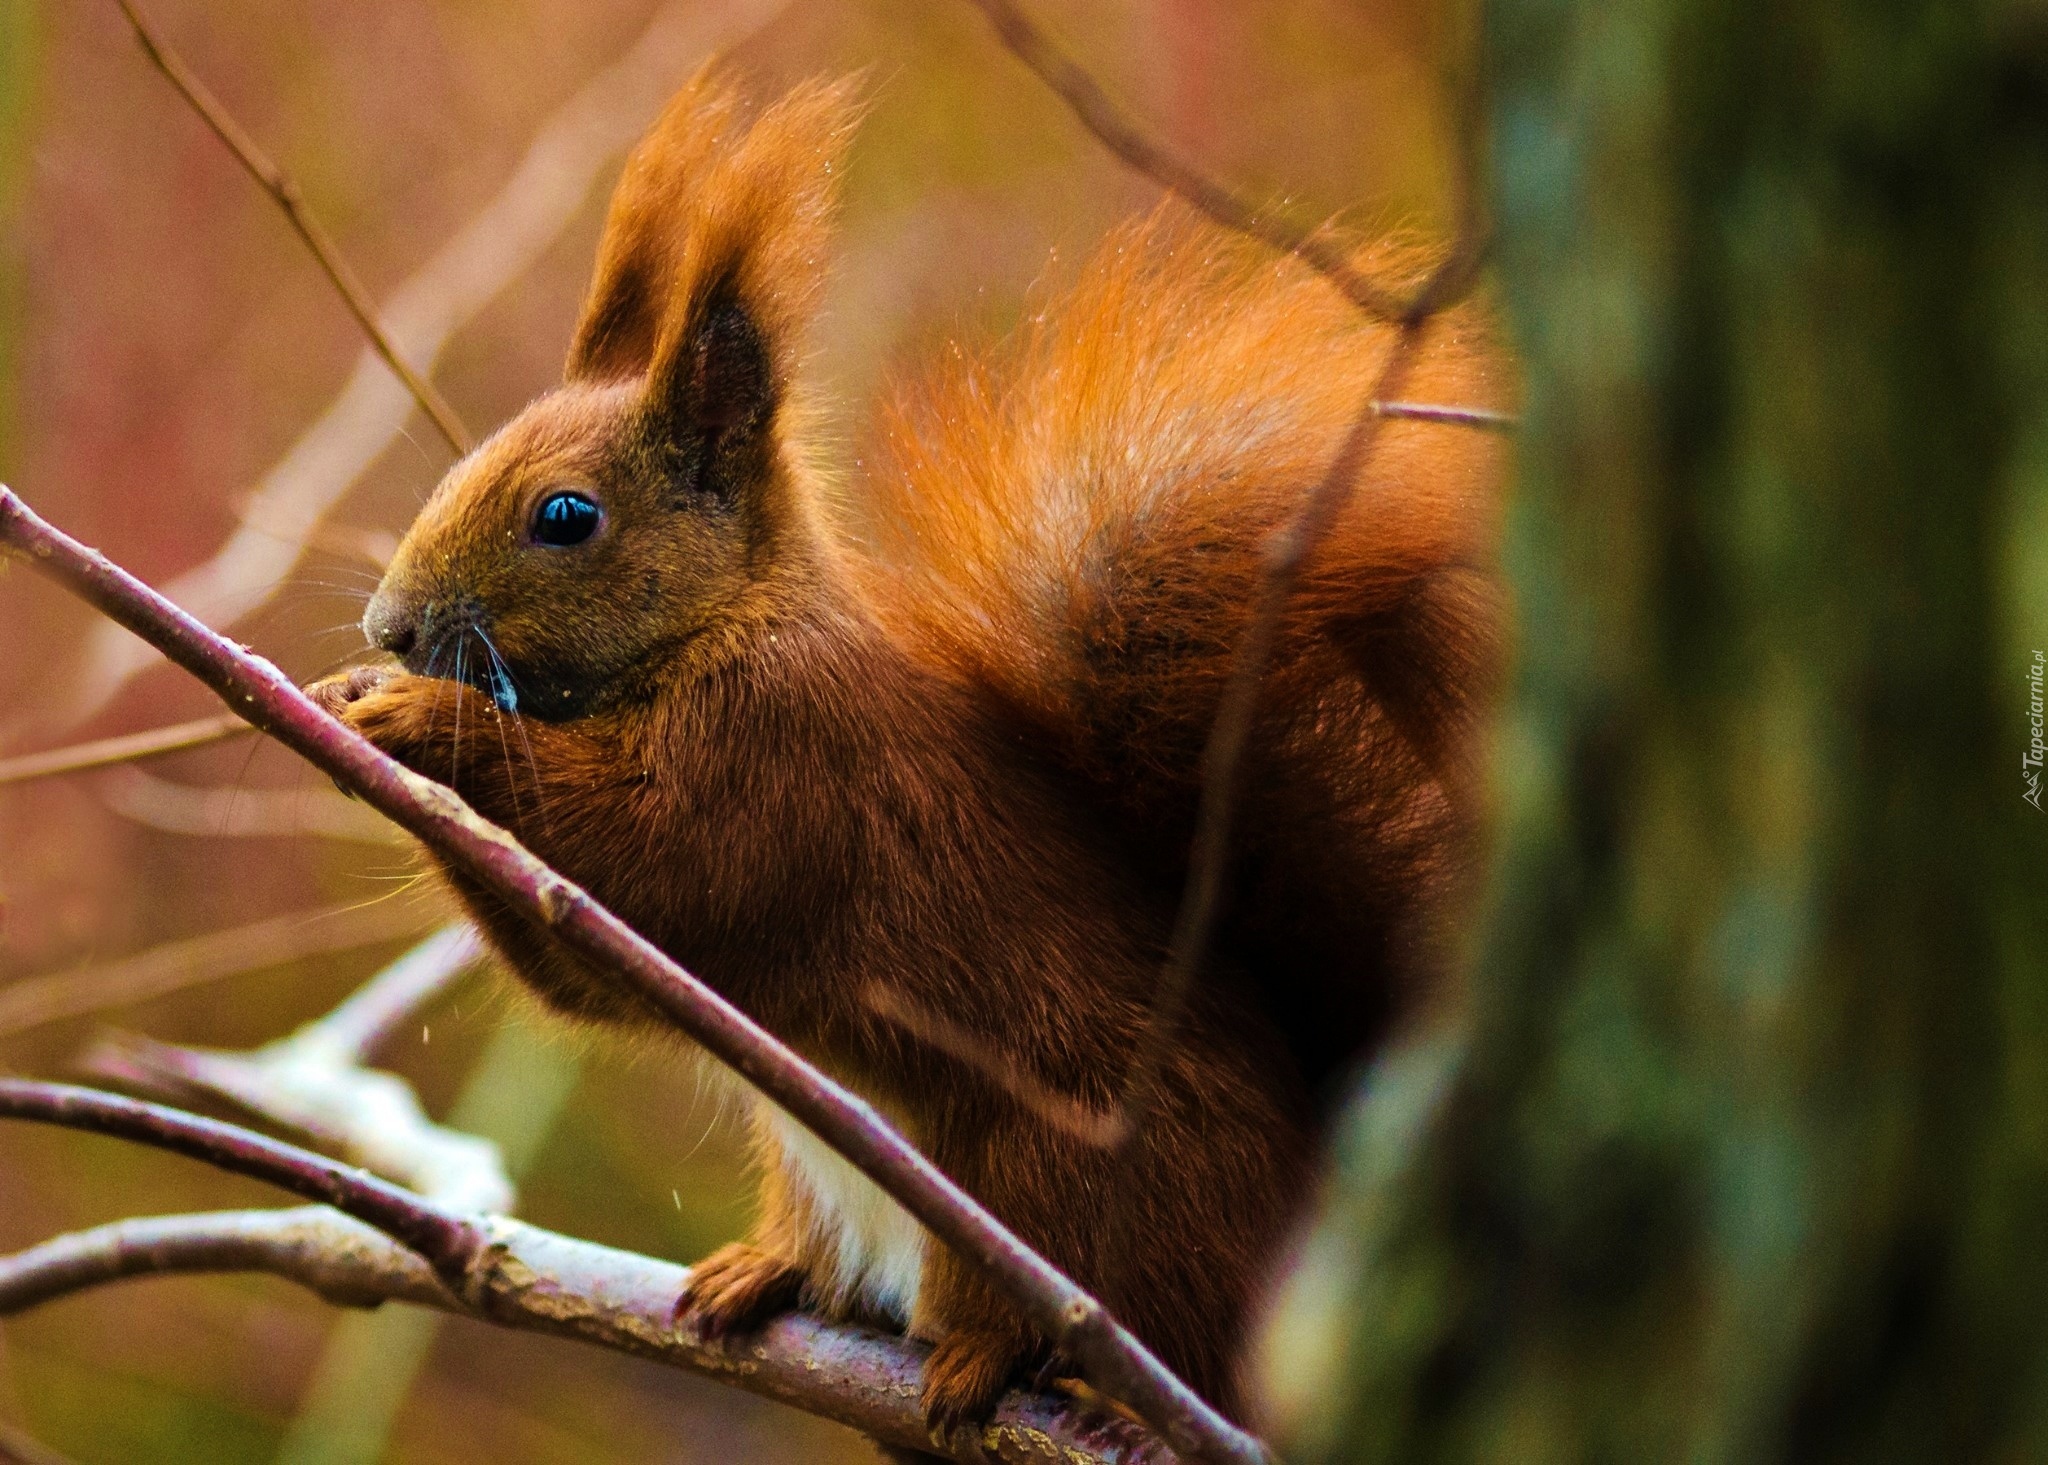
x=387, y=625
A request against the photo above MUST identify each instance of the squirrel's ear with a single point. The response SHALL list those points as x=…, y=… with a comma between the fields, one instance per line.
x=713, y=253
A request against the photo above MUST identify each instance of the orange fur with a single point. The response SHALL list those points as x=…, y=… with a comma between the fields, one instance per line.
x=953, y=757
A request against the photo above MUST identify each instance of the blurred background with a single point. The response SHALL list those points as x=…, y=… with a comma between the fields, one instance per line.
x=180, y=387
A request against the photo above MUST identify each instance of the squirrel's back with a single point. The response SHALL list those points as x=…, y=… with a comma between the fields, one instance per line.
x=1078, y=526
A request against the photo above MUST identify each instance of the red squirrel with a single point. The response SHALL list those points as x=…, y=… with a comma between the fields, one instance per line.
x=916, y=746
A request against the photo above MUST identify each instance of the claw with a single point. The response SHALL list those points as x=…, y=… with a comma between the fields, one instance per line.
x=964, y=1377
x=735, y=1289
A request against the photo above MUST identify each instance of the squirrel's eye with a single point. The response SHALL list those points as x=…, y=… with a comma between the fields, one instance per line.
x=566, y=518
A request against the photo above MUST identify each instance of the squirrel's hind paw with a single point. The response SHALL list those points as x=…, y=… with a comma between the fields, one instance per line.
x=965, y=1375
x=736, y=1288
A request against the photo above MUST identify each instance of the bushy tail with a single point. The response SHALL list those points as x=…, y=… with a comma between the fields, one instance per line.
x=1077, y=526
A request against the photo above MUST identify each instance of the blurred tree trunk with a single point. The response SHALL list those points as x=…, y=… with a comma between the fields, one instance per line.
x=1743, y=1152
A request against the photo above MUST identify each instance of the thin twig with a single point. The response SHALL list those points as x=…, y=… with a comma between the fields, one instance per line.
x=1116, y=130
x=448, y=1241
x=127, y=748
x=1223, y=757
x=1111, y=1358
x=1450, y=281
x=231, y=811
x=1480, y=417
x=1091, y=1126
x=538, y=1281
x=370, y=1014
x=285, y=193
x=367, y=1117
x=347, y=1262
x=53, y=996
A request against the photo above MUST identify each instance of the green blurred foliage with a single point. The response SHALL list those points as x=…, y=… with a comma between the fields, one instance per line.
x=1739, y=1153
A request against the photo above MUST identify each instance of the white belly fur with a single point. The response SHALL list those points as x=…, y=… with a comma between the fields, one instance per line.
x=880, y=1248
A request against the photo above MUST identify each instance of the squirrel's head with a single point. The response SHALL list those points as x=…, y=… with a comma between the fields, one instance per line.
x=648, y=505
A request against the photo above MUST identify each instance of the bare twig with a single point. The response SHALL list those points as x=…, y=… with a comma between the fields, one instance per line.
x=538, y=1281
x=1223, y=757
x=1121, y=135
x=1481, y=417
x=542, y=196
x=176, y=965
x=1091, y=1126
x=127, y=748
x=345, y=1261
x=1109, y=1355
x=370, y=1014
x=448, y=1241
x=285, y=193
x=229, y=811
x=17, y=1447
x=366, y=1117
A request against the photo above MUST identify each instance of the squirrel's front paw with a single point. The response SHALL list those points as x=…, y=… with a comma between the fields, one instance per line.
x=334, y=694
x=965, y=1375
x=736, y=1288
x=399, y=712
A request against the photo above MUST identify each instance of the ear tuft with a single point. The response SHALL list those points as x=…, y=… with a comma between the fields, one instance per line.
x=714, y=248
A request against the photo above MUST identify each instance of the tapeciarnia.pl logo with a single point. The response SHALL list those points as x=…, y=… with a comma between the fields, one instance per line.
x=2030, y=761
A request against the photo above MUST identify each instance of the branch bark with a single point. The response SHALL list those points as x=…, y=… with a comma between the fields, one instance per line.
x=1111, y=1358
x=534, y=1280
x=448, y=1241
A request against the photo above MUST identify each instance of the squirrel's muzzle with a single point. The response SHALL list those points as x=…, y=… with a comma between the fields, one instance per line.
x=389, y=623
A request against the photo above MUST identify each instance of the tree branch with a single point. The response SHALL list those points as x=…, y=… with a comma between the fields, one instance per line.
x=1118, y=132
x=1289, y=549
x=314, y=1084
x=345, y=1261
x=449, y=1242
x=175, y=965
x=127, y=748
x=370, y=1014
x=1295, y=543
x=274, y=181
x=1223, y=756
x=1111, y=1358
x=538, y=1281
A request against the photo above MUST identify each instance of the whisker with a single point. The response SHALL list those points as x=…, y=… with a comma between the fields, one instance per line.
x=461, y=693
x=505, y=743
x=314, y=590
x=440, y=691
x=336, y=629
x=504, y=670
